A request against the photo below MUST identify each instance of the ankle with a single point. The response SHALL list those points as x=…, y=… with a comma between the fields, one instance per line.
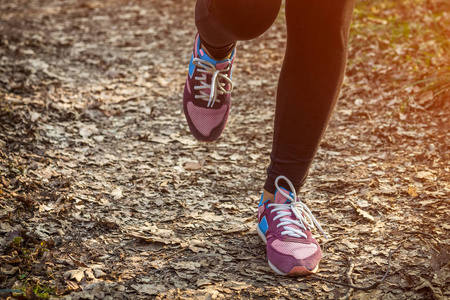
x=227, y=56
x=268, y=196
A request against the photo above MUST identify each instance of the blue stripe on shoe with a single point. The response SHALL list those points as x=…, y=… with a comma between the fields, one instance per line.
x=191, y=66
x=263, y=203
x=263, y=225
x=210, y=60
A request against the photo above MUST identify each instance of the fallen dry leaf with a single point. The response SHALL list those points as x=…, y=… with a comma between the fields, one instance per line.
x=78, y=274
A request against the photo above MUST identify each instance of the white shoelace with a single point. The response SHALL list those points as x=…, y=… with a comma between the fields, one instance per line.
x=304, y=217
x=216, y=87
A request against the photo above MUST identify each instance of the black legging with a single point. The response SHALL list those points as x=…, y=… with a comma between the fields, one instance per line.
x=312, y=72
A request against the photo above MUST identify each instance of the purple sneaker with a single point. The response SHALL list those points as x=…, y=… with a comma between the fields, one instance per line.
x=285, y=227
x=207, y=94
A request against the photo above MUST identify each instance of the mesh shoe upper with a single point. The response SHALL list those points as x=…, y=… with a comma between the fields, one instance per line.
x=285, y=227
x=207, y=94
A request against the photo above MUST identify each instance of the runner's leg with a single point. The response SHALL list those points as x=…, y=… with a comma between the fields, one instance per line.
x=223, y=22
x=309, y=84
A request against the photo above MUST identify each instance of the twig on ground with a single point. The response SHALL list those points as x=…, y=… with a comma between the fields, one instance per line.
x=348, y=275
x=425, y=234
x=361, y=288
x=376, y=284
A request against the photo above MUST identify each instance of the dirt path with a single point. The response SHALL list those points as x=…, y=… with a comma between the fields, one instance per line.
x=98, y=166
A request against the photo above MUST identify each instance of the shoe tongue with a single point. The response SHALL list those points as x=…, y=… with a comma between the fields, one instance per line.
x=222, y=65
x=280, y=198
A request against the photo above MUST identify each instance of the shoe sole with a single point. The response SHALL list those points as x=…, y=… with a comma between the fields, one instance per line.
x=295, y=271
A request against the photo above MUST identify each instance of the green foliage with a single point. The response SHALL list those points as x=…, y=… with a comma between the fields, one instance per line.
x=43, y=291
x=17, y=240
x=408, y=38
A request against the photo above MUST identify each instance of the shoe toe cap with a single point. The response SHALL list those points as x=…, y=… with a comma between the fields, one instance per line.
x=206, y=120
x=286, y=255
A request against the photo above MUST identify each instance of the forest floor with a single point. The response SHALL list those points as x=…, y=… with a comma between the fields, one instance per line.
x=104, y=194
